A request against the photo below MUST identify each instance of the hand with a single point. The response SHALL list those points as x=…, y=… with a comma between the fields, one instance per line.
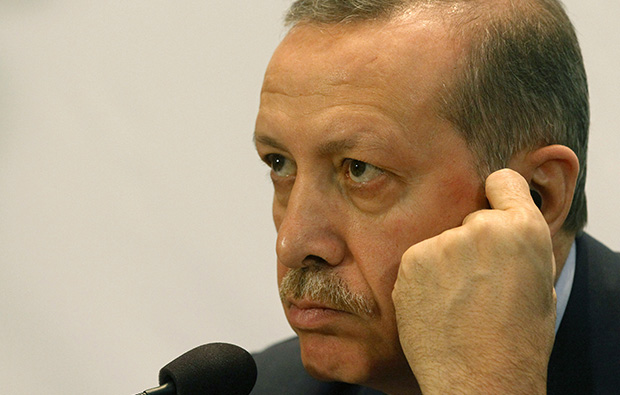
x=475, y=305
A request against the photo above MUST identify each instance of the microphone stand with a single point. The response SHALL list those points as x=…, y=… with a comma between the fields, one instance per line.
x=164, y=389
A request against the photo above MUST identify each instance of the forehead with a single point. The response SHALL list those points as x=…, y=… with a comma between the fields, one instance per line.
x=379, y=79
x=412, y=55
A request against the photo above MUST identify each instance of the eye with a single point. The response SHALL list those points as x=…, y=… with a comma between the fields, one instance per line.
x=361, y=172
x=280, y=165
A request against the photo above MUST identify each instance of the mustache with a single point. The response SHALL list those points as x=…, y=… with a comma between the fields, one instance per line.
x=322, y=285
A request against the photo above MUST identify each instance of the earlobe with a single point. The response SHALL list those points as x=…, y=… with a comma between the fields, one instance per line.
x=552, y=173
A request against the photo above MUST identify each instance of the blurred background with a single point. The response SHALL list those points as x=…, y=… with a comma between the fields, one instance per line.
x=134, y=213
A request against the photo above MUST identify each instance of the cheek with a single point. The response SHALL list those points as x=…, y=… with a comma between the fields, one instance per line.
x=464, y=193
x=442, y=205
x=377, y=255
x=380, y=249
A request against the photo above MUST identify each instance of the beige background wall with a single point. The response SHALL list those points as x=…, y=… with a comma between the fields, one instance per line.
x=134, y=215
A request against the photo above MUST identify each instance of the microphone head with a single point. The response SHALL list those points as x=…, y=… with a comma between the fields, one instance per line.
x=214, y=368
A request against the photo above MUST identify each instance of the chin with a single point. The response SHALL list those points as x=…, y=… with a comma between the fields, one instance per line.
x=330, y=358
x=379, y=365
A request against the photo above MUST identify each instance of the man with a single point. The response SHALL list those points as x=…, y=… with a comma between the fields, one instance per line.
x=428, y=163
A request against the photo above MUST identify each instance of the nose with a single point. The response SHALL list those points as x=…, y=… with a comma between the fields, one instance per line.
x=310, y=225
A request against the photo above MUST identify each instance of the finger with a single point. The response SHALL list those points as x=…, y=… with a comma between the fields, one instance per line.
x=507, y=190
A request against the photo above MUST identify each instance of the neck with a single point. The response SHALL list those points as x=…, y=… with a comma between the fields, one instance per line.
x=562, y=242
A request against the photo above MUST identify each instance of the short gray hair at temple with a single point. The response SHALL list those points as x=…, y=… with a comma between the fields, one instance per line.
x=521, y=85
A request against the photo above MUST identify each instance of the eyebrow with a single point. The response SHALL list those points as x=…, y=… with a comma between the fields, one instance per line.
x=336, y=146
x=325, y=149
x=266, y=140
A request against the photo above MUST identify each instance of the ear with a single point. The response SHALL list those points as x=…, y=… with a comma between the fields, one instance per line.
x=552, y=172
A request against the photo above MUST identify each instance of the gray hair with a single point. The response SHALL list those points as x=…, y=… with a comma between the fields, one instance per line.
x=522, y=84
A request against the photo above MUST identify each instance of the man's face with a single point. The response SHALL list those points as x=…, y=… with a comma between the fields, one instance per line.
x=363, y=167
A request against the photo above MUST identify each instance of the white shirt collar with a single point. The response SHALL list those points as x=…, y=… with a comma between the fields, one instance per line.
x=564, y=285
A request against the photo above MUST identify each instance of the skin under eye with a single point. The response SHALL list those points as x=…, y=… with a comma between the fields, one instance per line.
x=362, y=172
x=280, y=165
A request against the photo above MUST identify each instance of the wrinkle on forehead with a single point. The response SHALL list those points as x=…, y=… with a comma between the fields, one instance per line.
x=344, y=68
x=331, y=50
x=358, y=52
x=397, y=68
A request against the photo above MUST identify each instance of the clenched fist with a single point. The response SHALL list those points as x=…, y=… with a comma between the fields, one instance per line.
x=475, y=305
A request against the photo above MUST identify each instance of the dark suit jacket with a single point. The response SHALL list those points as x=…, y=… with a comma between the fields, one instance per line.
x=585, y=357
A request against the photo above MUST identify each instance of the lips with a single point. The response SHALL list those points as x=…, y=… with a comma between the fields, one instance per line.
x=310, y=315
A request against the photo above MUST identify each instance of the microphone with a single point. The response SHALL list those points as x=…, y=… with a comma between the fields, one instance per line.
x=210, y=369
